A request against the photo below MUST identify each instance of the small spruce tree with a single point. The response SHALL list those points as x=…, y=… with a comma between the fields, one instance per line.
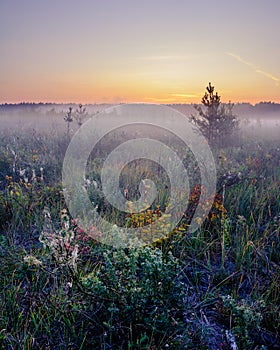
x=216, y=120
x=68, y=119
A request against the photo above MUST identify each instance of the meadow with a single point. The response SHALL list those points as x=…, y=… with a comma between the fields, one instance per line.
x=215, y=288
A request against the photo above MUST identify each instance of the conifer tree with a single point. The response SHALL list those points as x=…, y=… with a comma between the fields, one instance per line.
x=216, y=120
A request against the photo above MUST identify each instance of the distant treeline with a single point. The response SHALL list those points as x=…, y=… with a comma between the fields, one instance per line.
x=242, y=109
x=46, y=108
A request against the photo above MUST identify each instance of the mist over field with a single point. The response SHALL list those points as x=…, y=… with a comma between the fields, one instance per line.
x=262, y=119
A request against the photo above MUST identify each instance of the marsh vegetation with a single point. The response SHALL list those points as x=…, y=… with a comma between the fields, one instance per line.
x=216, y=288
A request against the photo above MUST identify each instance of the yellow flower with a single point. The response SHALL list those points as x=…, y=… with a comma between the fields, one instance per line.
x=198, y=220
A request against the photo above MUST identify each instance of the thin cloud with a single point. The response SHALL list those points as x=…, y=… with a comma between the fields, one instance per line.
x=255, y=68
x=184, y=95
x=160, y=100
x=171, y=98
x=166, y=58
x=268, y=75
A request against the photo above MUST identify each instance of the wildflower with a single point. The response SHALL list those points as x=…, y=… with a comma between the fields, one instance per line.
x=231, y=340
x=33, y=178
x=21, y=172
x=32, y=260
x=80, y=231
x=86, y=183
x=94, y=233
x=94, y=184
x=126, y=193
x=198, y=220
x=64, y=218
x=42, y=176
x=158, y=213
x=74, y=257
x=9, y=178
x=13, y=152
x=253, y=181
x=75, y=222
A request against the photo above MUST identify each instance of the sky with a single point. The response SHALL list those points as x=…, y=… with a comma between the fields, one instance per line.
x=154, y=51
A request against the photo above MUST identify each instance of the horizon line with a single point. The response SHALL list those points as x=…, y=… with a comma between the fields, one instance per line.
x=135, y=102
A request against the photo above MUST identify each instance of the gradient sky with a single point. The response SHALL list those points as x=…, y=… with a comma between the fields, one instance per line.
x=162, y=51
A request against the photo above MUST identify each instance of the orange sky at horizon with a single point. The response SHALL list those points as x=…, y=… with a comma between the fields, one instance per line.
x=113, y=96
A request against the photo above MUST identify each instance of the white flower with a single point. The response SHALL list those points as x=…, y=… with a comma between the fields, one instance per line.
x=32, y=260
x=33, y=178
x=42, y=176
x=95, y=184
x=87, y=181
x=74, y=257
x=21, y=172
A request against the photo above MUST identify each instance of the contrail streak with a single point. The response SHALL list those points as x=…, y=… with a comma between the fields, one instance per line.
x=255, y=68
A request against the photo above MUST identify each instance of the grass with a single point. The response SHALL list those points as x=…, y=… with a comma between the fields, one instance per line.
x=211, y=289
